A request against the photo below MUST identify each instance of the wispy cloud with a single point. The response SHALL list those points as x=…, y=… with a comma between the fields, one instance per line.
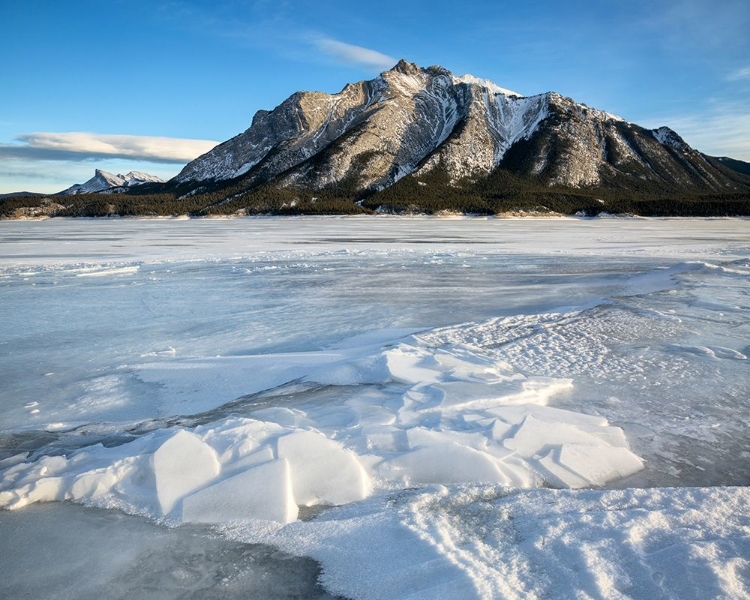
x=699, y=24
x=722, y=130
x=80, y=146
x=739, y=74
x=354, y=55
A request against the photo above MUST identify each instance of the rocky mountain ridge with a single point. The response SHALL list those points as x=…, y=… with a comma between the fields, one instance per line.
x=412, y=120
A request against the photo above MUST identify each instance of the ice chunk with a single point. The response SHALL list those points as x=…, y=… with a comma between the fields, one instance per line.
x=181, y=465
x=323, y=472
x=16, y=459
x=47, y=489
x=384, y=439
x=518, y=471
x=575, y=466
x=599, y=465
x=558, y=475
x=246, y=434
x=375, y=415
x=353, y=372
x=263, y=492
x=500, y=430
x=516, y=414
x=467, y=394
x=92, y=484
x=534, y=435
x=445, y=463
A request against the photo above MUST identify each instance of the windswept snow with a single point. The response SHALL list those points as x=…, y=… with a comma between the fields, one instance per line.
x=492, y=542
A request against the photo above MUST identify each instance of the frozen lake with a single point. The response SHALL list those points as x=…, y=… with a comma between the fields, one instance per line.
x=434, y=377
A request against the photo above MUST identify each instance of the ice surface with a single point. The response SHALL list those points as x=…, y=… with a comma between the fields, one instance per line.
x=68, y=552
x=339, y=361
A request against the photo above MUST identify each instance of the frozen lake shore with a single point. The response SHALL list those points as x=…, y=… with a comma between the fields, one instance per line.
x=429, y=376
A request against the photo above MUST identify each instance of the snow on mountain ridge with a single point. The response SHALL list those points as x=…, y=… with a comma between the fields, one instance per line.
x=490, y=85
x=139, y=177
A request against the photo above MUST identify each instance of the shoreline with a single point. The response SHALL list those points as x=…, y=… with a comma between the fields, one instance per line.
x=436, y=217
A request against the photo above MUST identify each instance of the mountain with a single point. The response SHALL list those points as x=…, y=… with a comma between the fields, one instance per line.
x=103, y=181
x=413, y=121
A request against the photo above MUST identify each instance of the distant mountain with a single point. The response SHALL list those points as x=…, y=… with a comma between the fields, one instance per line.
x=413, y=121
x=17, y=194
x=103, y=181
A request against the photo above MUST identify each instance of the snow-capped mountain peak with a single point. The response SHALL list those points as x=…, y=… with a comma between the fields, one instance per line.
x=668, y=137
x=104, y=180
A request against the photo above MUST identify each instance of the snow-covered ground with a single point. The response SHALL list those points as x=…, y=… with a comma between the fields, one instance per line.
x=392, y=397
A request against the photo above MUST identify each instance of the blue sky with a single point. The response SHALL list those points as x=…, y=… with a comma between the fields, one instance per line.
x=148, y=85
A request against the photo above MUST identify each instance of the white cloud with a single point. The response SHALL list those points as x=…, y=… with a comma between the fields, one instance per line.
x=76, y=146
x=356, y=55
